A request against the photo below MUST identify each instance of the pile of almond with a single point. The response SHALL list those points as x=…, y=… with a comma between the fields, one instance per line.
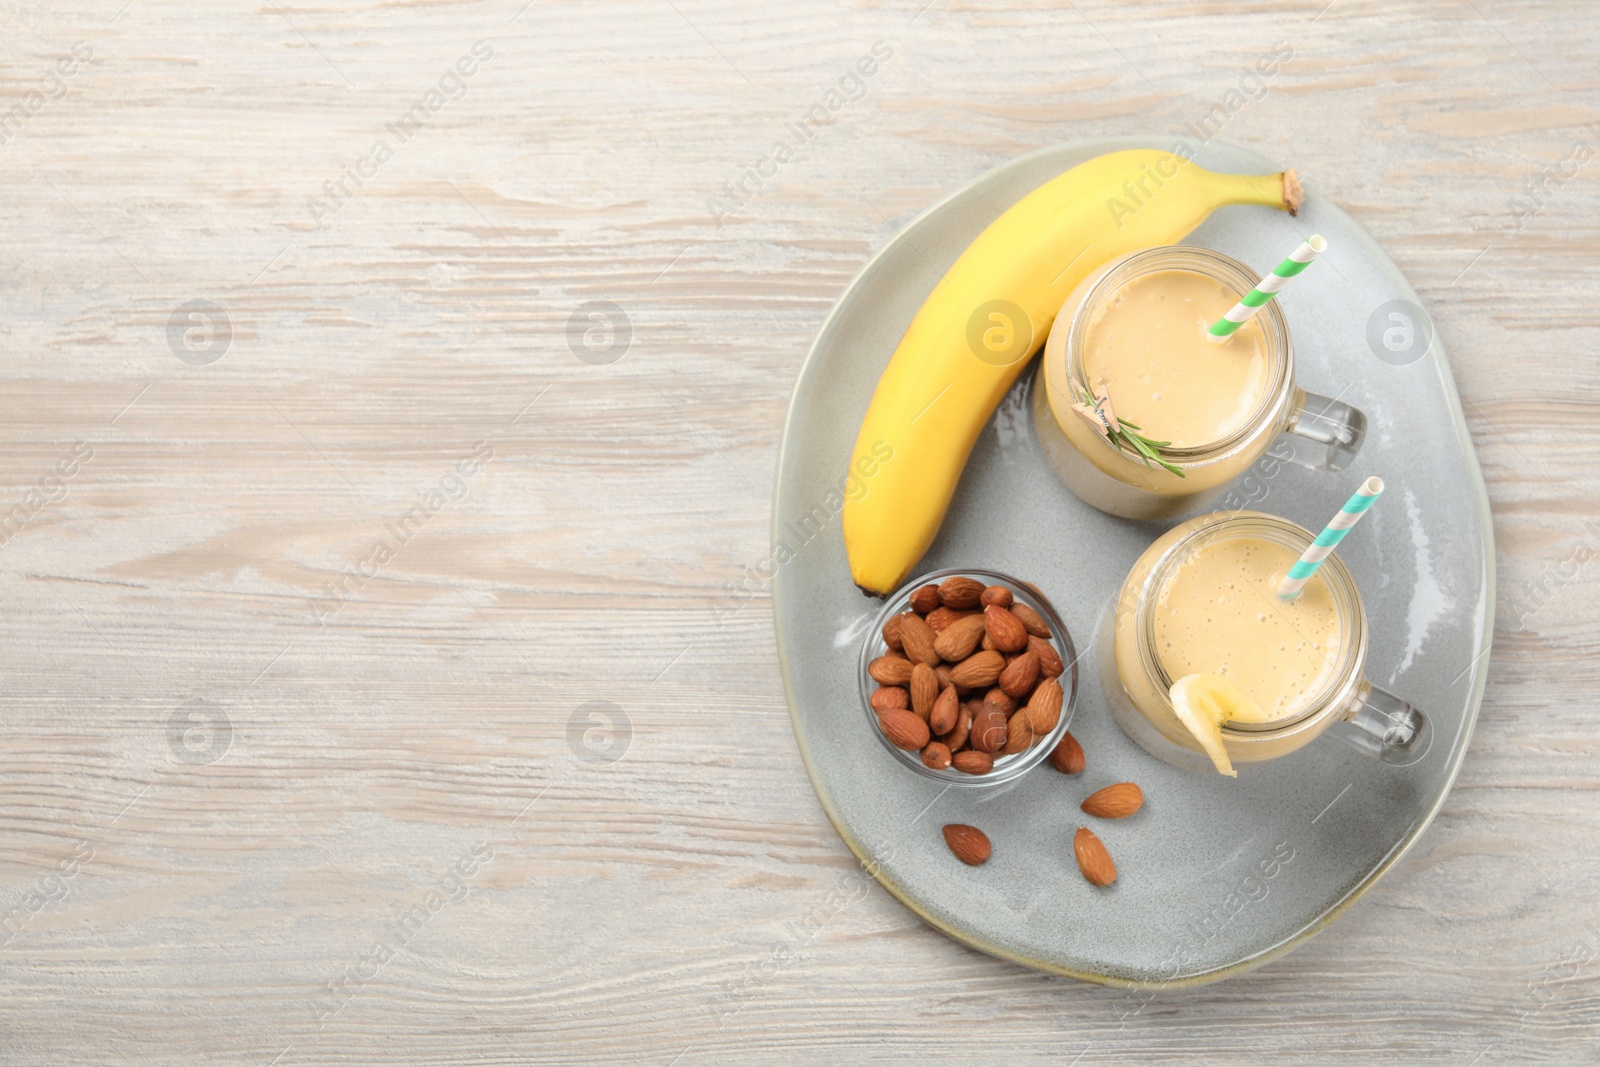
x=970, y=676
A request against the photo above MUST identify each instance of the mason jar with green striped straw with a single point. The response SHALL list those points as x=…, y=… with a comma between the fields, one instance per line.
x=1330, y=536
x=1267, y=287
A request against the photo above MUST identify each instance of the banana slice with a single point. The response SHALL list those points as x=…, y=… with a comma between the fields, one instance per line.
x=1203, y=703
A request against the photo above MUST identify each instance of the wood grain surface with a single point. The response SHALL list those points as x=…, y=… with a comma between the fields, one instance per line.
x=377, y=681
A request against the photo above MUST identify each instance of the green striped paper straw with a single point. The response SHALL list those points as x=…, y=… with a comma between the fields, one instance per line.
x=1265, y=289
x=1330, y=536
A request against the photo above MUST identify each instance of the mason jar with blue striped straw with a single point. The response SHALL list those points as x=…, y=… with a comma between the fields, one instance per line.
x=1330, y=536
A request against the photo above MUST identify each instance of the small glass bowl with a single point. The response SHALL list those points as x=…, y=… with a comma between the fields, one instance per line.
x=1006, y=768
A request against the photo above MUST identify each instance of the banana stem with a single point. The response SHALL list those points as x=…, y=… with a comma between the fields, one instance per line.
x=1281, y=190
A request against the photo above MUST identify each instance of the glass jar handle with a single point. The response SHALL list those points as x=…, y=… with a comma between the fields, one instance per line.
x=1327, y=433
x=1384, y=727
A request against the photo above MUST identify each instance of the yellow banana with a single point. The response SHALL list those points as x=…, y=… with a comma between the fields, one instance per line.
x=992, y=310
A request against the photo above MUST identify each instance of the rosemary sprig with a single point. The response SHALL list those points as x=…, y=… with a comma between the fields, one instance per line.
x=1129, y=439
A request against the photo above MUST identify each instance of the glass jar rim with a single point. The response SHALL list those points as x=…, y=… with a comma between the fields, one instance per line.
x=1220, y=267
x=1346, y=597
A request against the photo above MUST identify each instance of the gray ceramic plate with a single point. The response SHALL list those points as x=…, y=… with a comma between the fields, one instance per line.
x=1216, y=876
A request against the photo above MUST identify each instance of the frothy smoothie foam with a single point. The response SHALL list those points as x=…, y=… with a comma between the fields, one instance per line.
x=1149, y=345
x=1217, y=613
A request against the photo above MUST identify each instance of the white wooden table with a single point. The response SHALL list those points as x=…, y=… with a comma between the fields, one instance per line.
x=372, y=686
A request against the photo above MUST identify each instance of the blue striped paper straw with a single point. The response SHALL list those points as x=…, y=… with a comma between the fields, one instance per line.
x=1267, y=287
x=1330, y=536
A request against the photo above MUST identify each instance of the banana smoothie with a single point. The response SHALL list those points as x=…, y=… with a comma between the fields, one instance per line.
x=1217, y=613
x=1130, y=346
x=1207, y=666
x=1147, y=348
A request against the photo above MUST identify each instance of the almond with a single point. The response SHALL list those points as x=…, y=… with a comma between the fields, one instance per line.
x=924, y=690
x=989, y=729
x=960, y=593
x=946, y=710
x=1067, y=756
x=903, y=729
x=1007, y=702
x=943, y=671
x=1044, y=707
x=978, y=670
x=1020, y=674
x=1114, y=801
x=917, y=640
x=936, y=756
x=956, y=739
x=970, y=844
x=890, y=670
x=958, y=639
x=1031, y=620
x=889, y=697
x=1005, y=629
x=891, y=633
x=1093, y=859
x=1019, y=734
x=986, y=644
x=941, y=617
x=998, y=595
x=1050, y=665
x=972, y=762
x=925, y=599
